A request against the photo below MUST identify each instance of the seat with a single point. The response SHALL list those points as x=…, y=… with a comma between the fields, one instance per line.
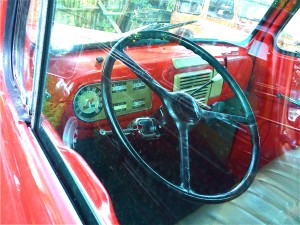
x=273, y=198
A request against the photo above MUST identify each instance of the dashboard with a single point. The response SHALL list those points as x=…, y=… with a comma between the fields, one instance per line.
x=78, y=75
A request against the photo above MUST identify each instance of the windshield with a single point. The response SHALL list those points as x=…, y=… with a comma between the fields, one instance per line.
x=93, y=21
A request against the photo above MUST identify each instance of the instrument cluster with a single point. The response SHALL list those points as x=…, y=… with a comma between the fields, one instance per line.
x=128, y=96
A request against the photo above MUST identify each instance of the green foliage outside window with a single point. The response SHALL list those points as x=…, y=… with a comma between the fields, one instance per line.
x=88, y=14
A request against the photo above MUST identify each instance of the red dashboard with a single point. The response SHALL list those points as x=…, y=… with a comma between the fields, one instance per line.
x=78, y=76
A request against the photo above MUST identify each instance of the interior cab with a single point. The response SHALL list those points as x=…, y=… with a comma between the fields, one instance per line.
x=161, y=124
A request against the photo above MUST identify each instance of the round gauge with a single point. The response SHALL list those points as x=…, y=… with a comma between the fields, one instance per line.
x=87, y=103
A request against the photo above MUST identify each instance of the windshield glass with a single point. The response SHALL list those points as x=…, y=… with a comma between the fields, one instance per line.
x=93, y=21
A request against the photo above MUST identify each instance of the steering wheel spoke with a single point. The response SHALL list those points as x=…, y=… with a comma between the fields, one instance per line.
x=226, y=117
x=185, y=176
x=140, y=72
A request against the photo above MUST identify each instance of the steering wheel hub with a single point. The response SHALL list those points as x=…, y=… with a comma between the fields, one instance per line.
x=186, y=108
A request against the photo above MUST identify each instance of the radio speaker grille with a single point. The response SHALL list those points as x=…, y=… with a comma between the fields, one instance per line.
x=190, y=81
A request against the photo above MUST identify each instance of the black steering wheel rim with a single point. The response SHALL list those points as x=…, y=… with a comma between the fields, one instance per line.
x=117, y=52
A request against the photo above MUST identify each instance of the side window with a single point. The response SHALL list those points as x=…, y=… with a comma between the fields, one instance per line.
x=289, y=37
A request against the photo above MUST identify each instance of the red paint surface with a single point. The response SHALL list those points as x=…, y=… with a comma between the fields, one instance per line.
x=30, y=190
x=273, y=73
x=90, y=182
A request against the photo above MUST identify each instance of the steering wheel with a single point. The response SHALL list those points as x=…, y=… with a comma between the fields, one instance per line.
x=184, y=111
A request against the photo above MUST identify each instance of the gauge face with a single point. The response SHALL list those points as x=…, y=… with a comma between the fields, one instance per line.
x=88, y=103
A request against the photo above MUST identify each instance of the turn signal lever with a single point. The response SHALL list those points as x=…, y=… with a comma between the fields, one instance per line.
x=140, y=128
x=109, y=132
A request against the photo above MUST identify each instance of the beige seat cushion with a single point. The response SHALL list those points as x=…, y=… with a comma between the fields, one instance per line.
x=273, y=198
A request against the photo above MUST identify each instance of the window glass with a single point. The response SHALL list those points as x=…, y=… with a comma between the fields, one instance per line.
x=289, y=38
x=235, y=19
x=70, y=101
x=30, y=41
x=250, y=13
x=75, y=108
x=83, y=33
x=191, y=7
x=109, y=20
x=115, y=6
x=223, y=9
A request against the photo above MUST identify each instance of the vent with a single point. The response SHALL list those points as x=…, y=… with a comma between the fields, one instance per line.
x=190, y=81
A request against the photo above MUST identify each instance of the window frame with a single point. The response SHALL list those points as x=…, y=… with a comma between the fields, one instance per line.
x=18, y=48
x=72, y=186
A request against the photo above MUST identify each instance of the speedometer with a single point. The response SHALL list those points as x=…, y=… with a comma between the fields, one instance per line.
x=87, y=103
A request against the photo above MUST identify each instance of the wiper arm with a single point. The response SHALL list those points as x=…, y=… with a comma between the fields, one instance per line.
x=158, y=26
x=172, y=26
x=162, y=26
